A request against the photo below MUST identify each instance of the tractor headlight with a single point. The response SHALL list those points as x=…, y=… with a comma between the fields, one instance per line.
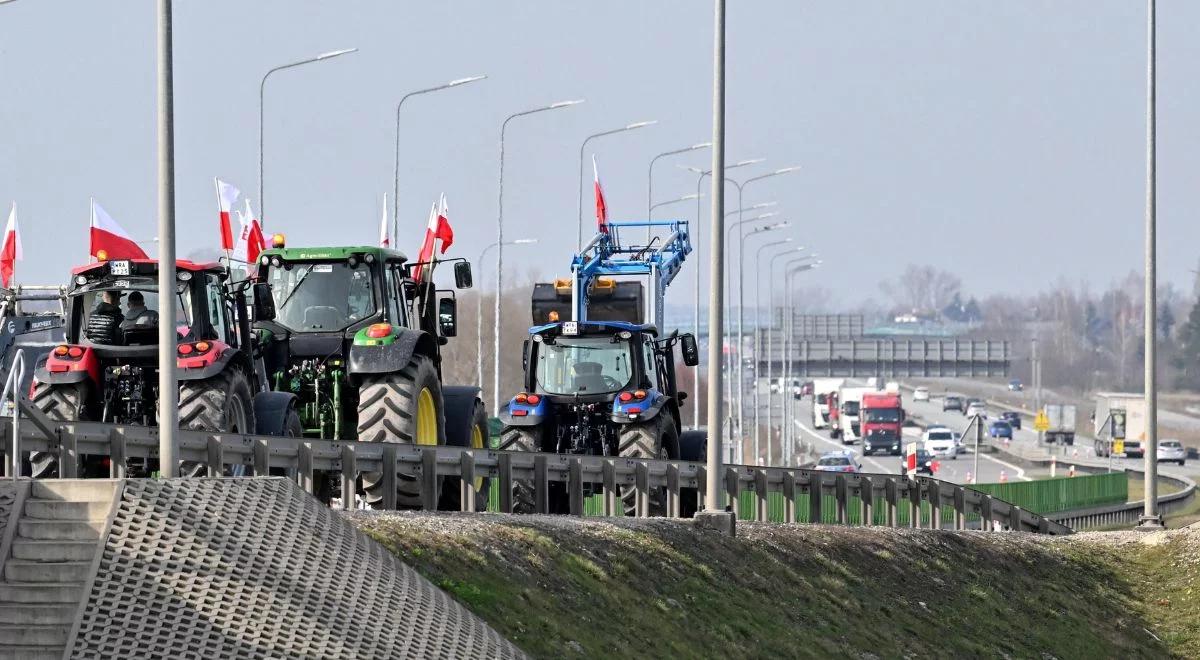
x=183, y=275
x=537, y=339
x=276, y=262
x=624, y=334
x=80, y=280
x=369, y=258
x=264, y=260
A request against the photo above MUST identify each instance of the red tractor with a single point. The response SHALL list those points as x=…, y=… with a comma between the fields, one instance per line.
x=107, y=370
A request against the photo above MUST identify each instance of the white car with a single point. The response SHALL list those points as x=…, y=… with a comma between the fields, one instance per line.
x=921, y=394
x=1171, y=451
x=941, y=442
x=977, y=409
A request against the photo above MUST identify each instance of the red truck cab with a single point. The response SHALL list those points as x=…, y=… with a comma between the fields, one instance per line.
x=881, y=418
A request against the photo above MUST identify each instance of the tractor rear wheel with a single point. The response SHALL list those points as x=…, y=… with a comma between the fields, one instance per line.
x=403, y=407
x=657, y=438
x=62, y=403
x=522, y=438
x=477, y=438
x=221, y=404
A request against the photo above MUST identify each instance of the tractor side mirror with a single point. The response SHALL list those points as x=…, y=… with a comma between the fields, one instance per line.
x=462, y=275
x=448, y=316
x=264, y=304
x=691, y=352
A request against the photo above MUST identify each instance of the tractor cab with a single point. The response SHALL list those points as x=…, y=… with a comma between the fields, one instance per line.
x=581, y=377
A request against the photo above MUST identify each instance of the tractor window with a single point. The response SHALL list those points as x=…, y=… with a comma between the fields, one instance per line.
x=127, y=313
x=583, y=365
x=649, y=364
x=394, y=305
x=322, y=297
x=216, y=308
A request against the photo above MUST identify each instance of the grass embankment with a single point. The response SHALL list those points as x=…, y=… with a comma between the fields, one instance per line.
x=562, y=587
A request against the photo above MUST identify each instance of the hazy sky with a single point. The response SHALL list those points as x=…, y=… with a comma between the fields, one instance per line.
x=1000, y=140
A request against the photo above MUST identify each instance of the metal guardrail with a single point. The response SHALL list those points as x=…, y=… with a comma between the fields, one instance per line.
x=12, y=385
x=299, y=457
x=1127, y=512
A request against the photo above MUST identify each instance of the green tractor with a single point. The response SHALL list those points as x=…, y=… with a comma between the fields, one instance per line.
x=357, y=337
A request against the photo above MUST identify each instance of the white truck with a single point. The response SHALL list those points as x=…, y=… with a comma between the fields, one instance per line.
x=1062, y=423
x=822, y=389
x=847, y=427
x=1134, y=406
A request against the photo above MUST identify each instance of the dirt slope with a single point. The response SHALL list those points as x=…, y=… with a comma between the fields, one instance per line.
x=562, y=587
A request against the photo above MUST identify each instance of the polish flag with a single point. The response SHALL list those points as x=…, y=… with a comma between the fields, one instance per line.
x=438, y=229
x=11, y=251
x=601, y=206
x=227, y=194
x=250, y=241
x=384, y=241
x=109, y=241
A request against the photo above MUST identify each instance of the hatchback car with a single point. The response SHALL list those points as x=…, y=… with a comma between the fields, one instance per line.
x=952, y=402
x=1013, y=418
x=976, y=407
x=1015, y=385
x=1171, y=451
x=1000, y=429
x=838, y=461
x=921, y=394
x=941, y=442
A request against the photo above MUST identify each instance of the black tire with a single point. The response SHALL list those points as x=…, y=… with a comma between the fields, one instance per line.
x=221, y=404
x=451, y=499
x=658, y=438
x=523, y=438
x=693, y=446
x=387, y=412
x=62, y=403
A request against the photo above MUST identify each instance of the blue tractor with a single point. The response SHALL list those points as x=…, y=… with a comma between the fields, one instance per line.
x=599, y=372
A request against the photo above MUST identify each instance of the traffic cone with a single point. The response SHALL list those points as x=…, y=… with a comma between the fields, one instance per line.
x=1003, y=477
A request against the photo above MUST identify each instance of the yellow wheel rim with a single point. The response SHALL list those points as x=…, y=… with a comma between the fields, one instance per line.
x=427, y=432
x=477, y=443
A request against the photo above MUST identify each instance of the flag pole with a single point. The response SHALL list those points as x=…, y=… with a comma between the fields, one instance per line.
x=228, y=252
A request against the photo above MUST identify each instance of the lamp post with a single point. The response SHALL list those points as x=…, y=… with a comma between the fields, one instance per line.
x=650, y=175
x=787, y=438
x=1150, y=519
x=582, y=147
x=168, y=386
x=500, y=240
x=741, y=329
x=713, y=472
x=396, y=171
x=696, y=246
x=479, y=305
x=770, y=344
x=761, y=230
x=262, y=202
x=685, y=198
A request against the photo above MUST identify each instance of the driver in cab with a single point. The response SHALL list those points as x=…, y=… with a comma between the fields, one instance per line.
x=137, y=314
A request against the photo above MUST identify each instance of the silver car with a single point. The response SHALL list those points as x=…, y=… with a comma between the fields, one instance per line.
x=1171, y=451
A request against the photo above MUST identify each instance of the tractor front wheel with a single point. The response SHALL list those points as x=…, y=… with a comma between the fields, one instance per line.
x=475, y=438
x=523, y=438
x=402, y=407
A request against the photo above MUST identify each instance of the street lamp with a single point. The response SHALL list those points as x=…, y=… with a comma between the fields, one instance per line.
x=650, y=175
x=479, y=305
x=685, y=198
x=500, y=238
x=1150, y=519
x=582, y=147
x=770, y=343
x=788, y=435
x=739, y=373
x=262, y=203
x=696, y=248
x=396, y=172
x=758, y=332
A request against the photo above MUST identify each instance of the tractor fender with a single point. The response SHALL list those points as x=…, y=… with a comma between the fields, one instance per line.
x=392, y=356
x=271, y=411
x=458, y=401
x=209, y=369
x=648, y=413
x=529, y=419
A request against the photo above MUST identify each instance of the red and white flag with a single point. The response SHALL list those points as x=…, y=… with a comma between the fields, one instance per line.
x=109, y=240
x=438, y=229
x=227, y=194
x=250, y=241
x=384, y=240
x=601, y=206
x=10, y=253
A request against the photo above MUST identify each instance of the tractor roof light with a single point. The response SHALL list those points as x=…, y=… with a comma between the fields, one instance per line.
x=278, y=241
x=101, y=255
x=183, y=275
x=80, y=280
x=276, y=262
x=553, y=316
x=369, y=258
x=624, y=334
